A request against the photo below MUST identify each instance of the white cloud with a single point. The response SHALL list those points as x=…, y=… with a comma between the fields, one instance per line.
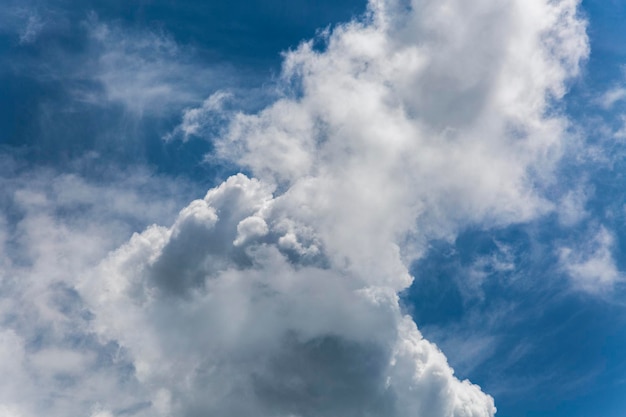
x=61, y=361
x=144, y=71
x=7, y=411
x=147, y=72
x=437, y=115
x=102, y=413
x=620, y=133
x=246, y=319
x=592, y=266
x=612, y=96
x=608, y=101
x=278, y=295
x=54, y=229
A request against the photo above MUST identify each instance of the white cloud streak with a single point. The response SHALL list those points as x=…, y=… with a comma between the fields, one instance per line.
x=612, y=96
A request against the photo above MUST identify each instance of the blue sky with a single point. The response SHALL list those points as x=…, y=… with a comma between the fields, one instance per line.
x=460, y=162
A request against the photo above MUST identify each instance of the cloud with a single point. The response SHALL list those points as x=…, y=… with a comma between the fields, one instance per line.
x=86, y=82
x=277, y=293
x=620, y=133
x=33, y=27
x=151, y=74
x=450, y=130
x=147, y=72
x=612, y=96
x=197, y=121
x=592, y=266
x=290, y=334
x=54, y=228
x=496, y=264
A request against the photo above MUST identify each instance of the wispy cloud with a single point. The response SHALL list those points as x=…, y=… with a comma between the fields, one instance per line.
x=571, y=209
x=147, y=72
x=33, y=27
x=612, y=96
x=197, y=121
x=25, y=22
x=591, y=265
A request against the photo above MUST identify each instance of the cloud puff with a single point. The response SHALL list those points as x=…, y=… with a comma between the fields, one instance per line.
x=147, y=72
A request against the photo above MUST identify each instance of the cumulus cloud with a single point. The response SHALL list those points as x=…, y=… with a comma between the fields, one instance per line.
x=277, y=293
x=408, y=141
x=246, y=319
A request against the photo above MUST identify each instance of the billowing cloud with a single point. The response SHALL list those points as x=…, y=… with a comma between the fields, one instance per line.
x=277, y=293
x=439, y=116
x=253, y=325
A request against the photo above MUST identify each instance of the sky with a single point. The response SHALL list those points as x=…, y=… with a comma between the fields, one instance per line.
x=313, y=209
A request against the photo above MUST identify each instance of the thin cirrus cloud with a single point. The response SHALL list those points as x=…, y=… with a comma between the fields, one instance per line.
x=277, y=293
